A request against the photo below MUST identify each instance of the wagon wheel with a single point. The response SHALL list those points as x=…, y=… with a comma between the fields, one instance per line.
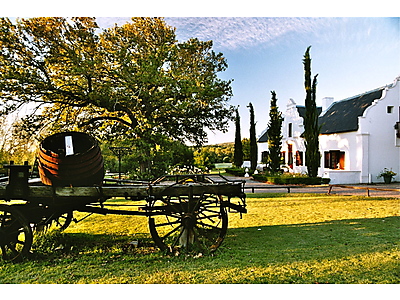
x=193, y=223
x=60, y=220
x=15, y=234
x=63, y=220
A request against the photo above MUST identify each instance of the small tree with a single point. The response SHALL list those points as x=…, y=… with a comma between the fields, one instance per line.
x=311, y=128
x=238, y=150
x=253, y=139
x=274, y=133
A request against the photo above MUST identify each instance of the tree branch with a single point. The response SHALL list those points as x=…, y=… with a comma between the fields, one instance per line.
x=91, y=121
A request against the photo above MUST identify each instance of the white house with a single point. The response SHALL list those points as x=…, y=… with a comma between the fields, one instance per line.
x=360, y=136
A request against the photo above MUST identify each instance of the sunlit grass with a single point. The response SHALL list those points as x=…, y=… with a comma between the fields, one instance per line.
x=284, y=238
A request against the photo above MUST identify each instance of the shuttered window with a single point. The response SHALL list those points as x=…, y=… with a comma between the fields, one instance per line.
x=334, y=159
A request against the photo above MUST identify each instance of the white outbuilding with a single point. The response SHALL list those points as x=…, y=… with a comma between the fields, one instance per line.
x=359, y=137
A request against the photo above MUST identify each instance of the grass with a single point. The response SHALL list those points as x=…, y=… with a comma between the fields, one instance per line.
x=284, y=238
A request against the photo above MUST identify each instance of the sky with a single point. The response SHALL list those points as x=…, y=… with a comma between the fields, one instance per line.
x=353, y=50
x=351, y=55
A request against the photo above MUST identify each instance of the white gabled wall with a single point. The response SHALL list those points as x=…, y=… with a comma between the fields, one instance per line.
x=370, y=149
x=378, y=124
x=292, y=116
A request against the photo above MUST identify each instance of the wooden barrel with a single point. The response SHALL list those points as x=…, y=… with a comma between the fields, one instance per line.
x=70, y=159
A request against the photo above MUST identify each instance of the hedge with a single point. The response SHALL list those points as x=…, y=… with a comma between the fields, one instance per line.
x=285, y=179
x=238, y=171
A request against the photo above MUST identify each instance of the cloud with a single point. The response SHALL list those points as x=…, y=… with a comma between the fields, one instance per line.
x=232, y=32
x=240, y=32
x=107, y=22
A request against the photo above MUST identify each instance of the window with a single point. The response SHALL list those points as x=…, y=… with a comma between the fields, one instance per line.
x=299, y=158
x=290, y=156
x=290, y=130
x=283, y=157
x=390, y=109
x=264, y=156
x=334, y=159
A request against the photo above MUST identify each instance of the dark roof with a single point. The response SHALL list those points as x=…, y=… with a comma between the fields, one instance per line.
x=302, y=110
x=263, y=138
x=343, y=115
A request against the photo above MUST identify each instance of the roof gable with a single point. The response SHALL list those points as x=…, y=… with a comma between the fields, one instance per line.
x=302, y=110
x=343, y=116
x=264, y=137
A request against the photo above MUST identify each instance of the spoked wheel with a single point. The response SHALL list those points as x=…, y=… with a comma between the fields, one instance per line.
x=63, y=220
x=15, y=234
x=60, y=220
x=191, y=223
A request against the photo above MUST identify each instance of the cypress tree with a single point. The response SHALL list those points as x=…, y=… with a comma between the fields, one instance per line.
x=253, y=139
x=274, y=133
x=238, y=150
x=311, y=128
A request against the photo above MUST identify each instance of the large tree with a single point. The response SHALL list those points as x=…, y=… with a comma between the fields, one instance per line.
x=136, y=75
x=311, y=127
x=253, y=139
x=274, y=133
x=238, y=149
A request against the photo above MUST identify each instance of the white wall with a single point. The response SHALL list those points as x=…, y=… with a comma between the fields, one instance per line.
x=342, y=142
x=292, y=116
x=342, y=177
x=261, y=148
x=379, y=125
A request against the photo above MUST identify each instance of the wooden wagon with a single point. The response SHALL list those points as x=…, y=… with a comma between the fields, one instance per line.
x=183, y=211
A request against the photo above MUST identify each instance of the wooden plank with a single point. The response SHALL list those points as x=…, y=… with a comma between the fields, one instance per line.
x=129, y=191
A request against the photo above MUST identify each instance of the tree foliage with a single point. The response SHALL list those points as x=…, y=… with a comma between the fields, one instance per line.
x=253, y=139
x=274, y=133
x=238, y=149
x=246, y=148
x=207, y=156
x=14, y=146
x=135, y=76
x=311, y=128
x=163, y=158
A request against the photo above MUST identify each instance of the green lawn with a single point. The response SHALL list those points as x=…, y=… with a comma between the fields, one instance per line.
x=284, y=238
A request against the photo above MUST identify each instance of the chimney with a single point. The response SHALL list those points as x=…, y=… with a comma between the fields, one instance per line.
x=326, y=103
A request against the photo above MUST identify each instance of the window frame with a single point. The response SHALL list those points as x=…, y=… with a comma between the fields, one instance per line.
x=334, y=160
